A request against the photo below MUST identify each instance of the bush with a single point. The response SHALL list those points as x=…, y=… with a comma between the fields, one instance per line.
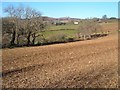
x=71, y=39
x=6, y=40
x=88, y=27
x=60, y=37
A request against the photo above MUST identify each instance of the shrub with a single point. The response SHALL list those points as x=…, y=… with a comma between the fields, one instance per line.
x=6, y=40
x=89, y=27
x=60, y=37
x=70, y=39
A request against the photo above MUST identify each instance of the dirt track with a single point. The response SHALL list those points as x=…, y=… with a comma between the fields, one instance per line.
x=91, y=63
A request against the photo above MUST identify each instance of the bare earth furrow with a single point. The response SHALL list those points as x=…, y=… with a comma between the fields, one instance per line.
x=91, y=63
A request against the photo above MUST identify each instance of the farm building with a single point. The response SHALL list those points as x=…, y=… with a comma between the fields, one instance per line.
x=76, y=23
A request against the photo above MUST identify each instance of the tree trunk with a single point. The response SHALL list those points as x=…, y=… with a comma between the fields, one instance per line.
x=28, y=39
x=33, y=41
x=13, y=38
x=18, y=39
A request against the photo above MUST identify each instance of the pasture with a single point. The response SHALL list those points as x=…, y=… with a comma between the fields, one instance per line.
x=71, y=30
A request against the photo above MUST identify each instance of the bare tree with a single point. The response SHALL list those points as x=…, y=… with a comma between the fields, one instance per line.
x=34, y=25
x=10, y=10
x=11, y=13
x=19, y=13
x=38, y=27
x=8, y=28
x=25, y=22
x=29, y=25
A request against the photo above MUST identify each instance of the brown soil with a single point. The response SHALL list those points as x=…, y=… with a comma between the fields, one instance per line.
x=91, y=63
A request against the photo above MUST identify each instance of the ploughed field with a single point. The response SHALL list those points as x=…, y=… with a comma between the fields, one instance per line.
x=91, y=63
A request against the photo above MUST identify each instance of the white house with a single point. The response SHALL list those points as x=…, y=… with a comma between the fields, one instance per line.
x=76, y=23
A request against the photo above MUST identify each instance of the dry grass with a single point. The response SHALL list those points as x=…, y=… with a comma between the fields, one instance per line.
x=91, y=63
x=112, y=27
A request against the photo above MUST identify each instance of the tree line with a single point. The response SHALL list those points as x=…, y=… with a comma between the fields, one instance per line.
x=21, y=26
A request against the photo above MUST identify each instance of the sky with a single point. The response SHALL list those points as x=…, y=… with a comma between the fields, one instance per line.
x=60, y=0
x=71, y=9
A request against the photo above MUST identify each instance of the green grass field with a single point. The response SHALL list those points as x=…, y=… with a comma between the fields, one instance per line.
x=69, y=33
x=71, y=30
x=60, y=27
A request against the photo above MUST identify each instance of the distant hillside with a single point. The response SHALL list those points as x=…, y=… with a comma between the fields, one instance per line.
x=46, y=18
